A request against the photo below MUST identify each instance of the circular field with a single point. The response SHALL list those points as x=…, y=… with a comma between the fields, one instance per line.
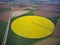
x=32, y=27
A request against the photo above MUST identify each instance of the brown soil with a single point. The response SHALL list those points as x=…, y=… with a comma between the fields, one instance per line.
x=57, y=30
x=5, y=16
x=46, y=13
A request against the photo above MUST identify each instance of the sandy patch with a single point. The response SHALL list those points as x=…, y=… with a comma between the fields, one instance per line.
x=18, y=13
